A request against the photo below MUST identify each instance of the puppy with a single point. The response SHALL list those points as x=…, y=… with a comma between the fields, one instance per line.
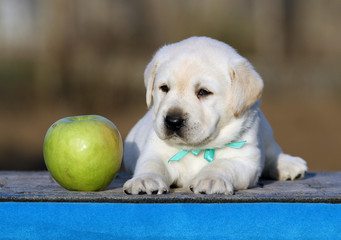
x=204, y=129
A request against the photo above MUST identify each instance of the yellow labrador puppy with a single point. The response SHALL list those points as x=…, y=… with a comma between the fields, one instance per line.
x=204, y=129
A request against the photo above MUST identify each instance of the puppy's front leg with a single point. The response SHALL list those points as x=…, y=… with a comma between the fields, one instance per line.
x=223, y=176
x=151, y=176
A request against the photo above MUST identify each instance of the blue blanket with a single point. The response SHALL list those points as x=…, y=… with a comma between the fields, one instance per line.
x=169, y=221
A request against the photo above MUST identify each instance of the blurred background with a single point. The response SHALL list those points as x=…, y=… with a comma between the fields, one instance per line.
x=63, y=58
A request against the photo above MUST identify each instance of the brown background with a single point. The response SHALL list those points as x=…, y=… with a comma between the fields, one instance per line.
x=62, y=58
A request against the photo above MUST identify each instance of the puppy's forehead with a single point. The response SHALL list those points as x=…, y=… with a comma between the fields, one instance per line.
x=187, y=67
x=200, y=48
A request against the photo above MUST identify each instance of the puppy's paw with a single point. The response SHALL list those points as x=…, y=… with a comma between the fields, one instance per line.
x=147, y=184
x=211, y=185
x=290, y=168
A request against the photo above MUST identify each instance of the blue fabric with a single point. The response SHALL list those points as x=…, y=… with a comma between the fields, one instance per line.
x=209, y=155
x=169, y=221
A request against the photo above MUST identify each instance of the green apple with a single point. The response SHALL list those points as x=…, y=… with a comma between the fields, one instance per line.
x=83, y=153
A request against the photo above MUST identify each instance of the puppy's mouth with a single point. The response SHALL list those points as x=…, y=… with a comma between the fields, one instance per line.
x=176, y=139
x=182, y=137
x=175, y=135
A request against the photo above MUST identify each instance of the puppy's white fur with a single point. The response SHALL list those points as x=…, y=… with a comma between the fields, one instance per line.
x=216, y=92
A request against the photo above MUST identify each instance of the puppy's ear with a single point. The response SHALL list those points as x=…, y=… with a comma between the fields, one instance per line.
x=246, y=87
x=149, y=78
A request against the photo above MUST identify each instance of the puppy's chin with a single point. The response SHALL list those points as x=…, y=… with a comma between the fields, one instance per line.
x=183, y=140
x=172, y=137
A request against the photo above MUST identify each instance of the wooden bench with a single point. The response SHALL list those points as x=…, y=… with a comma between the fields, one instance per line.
x=33, y=206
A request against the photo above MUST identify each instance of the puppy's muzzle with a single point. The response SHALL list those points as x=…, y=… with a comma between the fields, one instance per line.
x=174, y=122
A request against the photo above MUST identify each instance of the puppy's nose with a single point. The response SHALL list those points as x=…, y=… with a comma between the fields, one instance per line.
x=174, y=122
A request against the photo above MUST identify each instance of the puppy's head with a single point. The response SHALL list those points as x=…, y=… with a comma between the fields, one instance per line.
x=196, y=87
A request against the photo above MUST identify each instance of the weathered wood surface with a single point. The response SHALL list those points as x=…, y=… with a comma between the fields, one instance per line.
x=316, y=187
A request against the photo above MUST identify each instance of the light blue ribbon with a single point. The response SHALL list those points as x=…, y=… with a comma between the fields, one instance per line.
x=208, y=155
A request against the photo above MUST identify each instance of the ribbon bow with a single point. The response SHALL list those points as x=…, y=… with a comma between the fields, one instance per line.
x=208, y=155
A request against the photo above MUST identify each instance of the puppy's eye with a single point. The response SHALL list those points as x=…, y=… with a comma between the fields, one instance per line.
x=164, y=88
x=203, y=93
